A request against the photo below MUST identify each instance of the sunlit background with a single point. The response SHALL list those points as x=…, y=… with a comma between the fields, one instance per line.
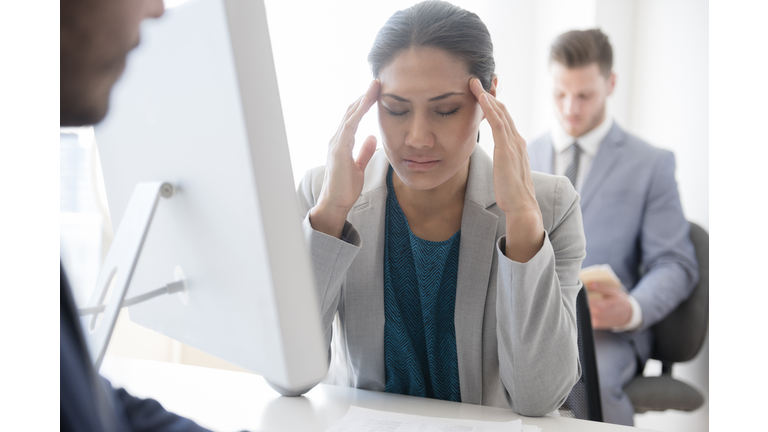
x=320, y=48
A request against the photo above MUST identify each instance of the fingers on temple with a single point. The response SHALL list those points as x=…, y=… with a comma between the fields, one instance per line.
x=510, y=122
x=350, y=110
x=350, y=124
x=501, y=112
x=366, y=152
x=498, y=107
x=371, y=95
x=476, y=87
x=493, y=115
x=373, y=91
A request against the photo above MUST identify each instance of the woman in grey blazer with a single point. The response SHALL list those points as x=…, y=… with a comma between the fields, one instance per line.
x=521, y=238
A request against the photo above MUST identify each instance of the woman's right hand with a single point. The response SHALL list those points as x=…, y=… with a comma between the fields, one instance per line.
x=343, y=181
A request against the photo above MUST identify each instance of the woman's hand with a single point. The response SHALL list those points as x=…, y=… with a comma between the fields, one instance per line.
x=512, y=181
x=344, y=175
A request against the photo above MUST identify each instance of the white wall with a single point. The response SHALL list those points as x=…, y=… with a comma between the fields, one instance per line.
x=670, y=96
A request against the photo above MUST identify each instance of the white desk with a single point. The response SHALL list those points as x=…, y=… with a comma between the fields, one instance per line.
x=231, y=401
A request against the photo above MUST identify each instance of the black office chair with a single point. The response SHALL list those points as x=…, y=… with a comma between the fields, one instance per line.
x=678, y=338
x=584, y=400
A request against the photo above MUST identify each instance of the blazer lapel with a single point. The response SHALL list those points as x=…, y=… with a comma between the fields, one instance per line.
x=364, y=305
x=608, y=156
x=478, y=240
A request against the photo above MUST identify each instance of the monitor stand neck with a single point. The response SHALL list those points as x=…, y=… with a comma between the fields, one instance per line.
x=117, y=269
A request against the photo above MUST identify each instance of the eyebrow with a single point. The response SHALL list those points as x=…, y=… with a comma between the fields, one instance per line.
x=436, y=98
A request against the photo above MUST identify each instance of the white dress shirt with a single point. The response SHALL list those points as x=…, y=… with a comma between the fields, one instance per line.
x=562, y=157
x=589, y=143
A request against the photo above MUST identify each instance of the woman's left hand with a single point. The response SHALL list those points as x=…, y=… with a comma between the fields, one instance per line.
x=512, y=181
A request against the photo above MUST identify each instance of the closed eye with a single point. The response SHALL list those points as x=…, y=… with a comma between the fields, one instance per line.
x=396, y=114
x=446, y=114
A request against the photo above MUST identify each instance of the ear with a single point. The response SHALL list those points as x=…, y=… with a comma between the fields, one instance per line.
x=494, y=85
x=611, y=83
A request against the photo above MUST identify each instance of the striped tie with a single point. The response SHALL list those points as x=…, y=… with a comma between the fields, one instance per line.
x=573, y=169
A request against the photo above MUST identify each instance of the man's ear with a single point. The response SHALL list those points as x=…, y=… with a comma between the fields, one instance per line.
x=611, y=83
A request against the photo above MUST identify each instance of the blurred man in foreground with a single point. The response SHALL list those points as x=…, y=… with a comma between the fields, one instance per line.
x=96, y=36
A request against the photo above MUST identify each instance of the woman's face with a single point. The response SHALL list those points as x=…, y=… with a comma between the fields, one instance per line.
x=428, y=116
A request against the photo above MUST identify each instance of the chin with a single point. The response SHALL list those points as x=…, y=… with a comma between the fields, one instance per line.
x=82, y=115
x=423, y=180
x=574, y=131
x=418, y=181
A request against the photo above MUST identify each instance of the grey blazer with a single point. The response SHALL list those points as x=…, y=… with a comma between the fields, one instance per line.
x=515, y=322
x=633, y=220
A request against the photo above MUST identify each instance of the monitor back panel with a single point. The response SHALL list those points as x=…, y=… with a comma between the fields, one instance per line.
x=198, y=106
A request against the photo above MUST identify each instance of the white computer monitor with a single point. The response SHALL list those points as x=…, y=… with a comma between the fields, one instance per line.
x=198, y=107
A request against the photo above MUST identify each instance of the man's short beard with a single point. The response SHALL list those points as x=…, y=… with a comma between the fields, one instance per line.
x=83, y=102
x=597, y=119
x=73, y=115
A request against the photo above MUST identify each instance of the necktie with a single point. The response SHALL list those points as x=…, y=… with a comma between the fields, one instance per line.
x=573, y=169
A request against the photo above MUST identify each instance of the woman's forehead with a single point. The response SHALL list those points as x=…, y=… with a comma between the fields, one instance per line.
x=424, y=72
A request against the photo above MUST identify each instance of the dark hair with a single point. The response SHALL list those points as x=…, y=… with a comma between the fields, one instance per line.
x=578, y=48
x=441, y=25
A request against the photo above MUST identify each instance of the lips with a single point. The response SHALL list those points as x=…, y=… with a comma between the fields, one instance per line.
x=421, y=159
x=421, y=163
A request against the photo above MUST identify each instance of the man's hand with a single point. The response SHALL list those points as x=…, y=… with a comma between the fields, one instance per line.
x=612, y=310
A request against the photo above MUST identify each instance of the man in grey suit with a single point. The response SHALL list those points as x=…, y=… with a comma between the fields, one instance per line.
x=633, y=220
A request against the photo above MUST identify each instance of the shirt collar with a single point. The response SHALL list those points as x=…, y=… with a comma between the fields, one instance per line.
x=589, y=142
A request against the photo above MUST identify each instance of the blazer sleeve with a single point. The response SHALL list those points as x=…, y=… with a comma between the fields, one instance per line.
x=536, y=310
x=331, y=258
x=671, y=269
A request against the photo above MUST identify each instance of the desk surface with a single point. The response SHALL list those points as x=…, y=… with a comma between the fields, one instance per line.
x=231, y=401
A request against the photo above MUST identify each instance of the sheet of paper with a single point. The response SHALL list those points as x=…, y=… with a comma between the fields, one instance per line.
x=368, y=420
x=602, y=273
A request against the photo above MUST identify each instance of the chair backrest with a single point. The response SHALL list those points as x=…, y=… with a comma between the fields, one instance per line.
x=584, y=400
x=679, y=336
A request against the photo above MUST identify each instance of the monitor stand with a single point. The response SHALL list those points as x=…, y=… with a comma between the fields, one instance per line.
x=99, y=317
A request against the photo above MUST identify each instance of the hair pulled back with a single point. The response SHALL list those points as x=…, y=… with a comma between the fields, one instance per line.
x=440, y=25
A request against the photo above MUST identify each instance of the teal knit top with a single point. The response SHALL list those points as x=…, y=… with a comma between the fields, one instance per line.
x=419, y=300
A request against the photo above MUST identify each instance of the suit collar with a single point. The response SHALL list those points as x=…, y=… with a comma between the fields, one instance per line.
x=376, y=173
x=589, y=142
x=479, y=228
x=608, y=156
x=480, y=182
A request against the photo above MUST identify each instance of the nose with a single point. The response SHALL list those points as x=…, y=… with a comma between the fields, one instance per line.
x=420, y=133
x=567, y=105
x=154, y=8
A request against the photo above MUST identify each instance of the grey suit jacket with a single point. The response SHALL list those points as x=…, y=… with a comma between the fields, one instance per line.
x=515, y=322
x=633, y=221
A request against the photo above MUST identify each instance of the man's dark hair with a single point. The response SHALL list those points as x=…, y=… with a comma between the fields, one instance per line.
x=440, y=25
x=578, y=48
